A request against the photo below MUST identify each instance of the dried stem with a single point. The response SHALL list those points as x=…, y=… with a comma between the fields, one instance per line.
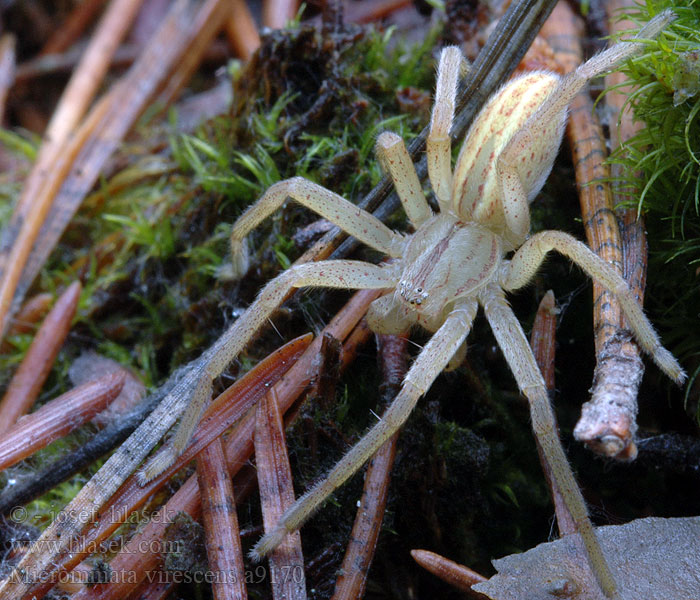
x=27, y=381
x=608, y=420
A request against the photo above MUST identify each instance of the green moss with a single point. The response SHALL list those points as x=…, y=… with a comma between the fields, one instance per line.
x=662, y=163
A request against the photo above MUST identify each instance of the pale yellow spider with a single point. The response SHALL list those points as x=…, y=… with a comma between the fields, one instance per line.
x=453, y=263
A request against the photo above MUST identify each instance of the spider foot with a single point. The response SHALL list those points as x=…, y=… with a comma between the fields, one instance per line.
x=156, y=465
x=239, y=264
x=268, y=543
x=240, y=259
x=669, y=365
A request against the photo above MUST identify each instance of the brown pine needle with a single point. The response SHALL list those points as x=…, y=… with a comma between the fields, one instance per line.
x=207, y=23
x=142, y=553
x=131, y=495
x=368, y=521
x=543, y=337
x=543, y=342
x=158, y=589
x=459, y=576
x=99, y=136
x=32, y=311
x=57, y=418
x=369, y=12
x=223, y=538
x=238, y=449
x=79, y=93
x=241, y=30
x=276, y=495
x=27, y=381
x=30, y=221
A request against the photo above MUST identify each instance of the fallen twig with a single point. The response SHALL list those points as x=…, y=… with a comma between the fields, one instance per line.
x=608, y=420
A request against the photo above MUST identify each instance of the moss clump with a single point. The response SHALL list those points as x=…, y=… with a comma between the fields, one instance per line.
x=662, y=163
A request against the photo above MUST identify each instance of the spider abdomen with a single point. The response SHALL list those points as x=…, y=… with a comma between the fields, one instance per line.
x=476, y=194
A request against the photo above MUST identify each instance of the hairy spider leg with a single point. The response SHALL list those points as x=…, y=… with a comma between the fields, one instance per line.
x=395, y=160
x=527, y=260
x=344, y=274
x=352, y=219
x=427, y=366
x=543, y=130
x=339, y=211
x=516, y=349
x=439, y=143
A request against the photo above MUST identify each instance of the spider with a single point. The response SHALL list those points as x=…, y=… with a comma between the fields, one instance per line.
x=454, y=262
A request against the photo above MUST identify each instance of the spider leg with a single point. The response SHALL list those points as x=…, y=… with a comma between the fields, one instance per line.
x=529, y=257
x=541, y=134
x=439, y=145
x=339, y=211
x=518, y=354
x=430, y=362
x=397, y=162
x=569, y=86
x=345, y=274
